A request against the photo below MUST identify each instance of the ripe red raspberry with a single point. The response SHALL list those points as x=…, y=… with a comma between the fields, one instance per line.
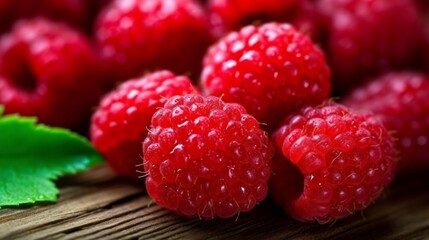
x=330, y=162
x=231, y=15
x=120, y=124
x=271, y=70
x=366, y=37
x=50, y=71
x=139, y=35
x=206, y=158
x=401, y=101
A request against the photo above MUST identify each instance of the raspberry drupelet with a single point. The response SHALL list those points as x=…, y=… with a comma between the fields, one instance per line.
x=206, y=158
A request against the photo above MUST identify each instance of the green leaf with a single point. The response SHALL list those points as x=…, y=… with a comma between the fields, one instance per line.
x=32, y=156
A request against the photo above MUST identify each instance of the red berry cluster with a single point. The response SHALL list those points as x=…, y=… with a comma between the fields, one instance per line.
x=221, y=103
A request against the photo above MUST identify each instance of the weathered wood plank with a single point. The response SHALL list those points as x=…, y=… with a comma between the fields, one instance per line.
x=72, y=203
x=98, y=205
x=91, y=217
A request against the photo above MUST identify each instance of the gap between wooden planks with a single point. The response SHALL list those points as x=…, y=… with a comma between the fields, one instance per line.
x=98, y=205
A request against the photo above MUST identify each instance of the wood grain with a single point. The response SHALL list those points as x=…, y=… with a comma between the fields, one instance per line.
x=98, y=205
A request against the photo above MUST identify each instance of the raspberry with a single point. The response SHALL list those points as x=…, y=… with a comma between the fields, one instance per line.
x=231, y=15
x=50, y=71
x=271, y=70
x=366, y=37
x=401, y=101
x=120, y=123
x=139, y=35
x=330, y=162
x=206, y=158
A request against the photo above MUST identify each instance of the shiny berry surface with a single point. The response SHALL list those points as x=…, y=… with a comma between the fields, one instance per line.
x=206, y=158
x=271, y=70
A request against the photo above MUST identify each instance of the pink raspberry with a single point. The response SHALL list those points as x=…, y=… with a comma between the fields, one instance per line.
x=120, y=123
x=401, y=101
x=139, y=35
x=330, y=162
x=50, y=71
x=206, y=158
x=271, y=70
x=366, y=37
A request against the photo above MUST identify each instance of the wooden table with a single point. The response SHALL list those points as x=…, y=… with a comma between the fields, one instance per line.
x=98, y=205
